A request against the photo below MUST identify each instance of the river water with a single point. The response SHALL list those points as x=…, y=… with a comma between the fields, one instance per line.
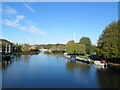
x=50, y=71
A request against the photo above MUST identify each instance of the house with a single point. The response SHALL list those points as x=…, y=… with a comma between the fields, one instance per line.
x=32, y=48
x=6, y=46
x=0, y=46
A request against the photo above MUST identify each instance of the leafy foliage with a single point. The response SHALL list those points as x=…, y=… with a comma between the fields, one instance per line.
x=108, y=43
x=22, y=47
x=70, y=47
x=25, y=47
x=88, y=44
x=52, y=46
x=76, y=48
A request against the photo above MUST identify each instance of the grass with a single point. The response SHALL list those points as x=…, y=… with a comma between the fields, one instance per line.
x=17, y=53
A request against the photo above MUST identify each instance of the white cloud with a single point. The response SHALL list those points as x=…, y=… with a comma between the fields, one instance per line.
x=28, y=7
x=16, y=23
x=9, y=10
x=13, y=23
x=34, y=29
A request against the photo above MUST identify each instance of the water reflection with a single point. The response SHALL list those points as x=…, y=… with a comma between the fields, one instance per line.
x=108, y=78
x=83, y=74
x=56, y=55
x=0, y=76
x=83, y=67
x=0, y=70
x=6, y=65
x=17, y=58
x=53, y=71
x=26, y=58
x=0, y=66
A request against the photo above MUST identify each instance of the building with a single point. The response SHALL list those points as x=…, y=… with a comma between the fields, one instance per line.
x=6, y=46
x=0, y=46
x=32, y=48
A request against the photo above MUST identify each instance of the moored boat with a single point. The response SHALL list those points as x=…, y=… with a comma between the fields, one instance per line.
x=101, y=63
x=65, y=54
x=71, y=57
x=83, y=60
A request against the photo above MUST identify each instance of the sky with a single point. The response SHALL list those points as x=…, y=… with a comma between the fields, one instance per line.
x=56, y=22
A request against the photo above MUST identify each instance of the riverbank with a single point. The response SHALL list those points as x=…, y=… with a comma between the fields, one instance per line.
x=8, y=56
x=55, y=52
x=114, y=65
x=26, y=52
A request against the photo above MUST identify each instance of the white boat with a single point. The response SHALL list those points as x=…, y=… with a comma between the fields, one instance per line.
x=65, y=54
x=100, y=63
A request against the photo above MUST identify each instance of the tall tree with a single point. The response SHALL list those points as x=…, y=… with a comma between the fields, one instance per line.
x=76, y=48
x=108, y=43
x=88, y=44
x=70, y=46
x=80, y=48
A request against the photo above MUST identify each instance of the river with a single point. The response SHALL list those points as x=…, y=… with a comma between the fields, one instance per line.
x=52, y=71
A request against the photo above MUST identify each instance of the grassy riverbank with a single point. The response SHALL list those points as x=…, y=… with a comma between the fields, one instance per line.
x=17, y=53
x=115, y=66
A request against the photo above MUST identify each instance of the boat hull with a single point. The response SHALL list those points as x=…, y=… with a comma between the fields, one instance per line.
x=69, y=58
x=83, y=61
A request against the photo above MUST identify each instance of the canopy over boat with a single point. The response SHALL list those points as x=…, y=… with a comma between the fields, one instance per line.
x=103, y=61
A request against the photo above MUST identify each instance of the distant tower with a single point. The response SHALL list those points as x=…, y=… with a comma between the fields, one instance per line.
x=74, y=36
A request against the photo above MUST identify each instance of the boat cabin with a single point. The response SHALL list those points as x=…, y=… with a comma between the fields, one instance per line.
x=72, y=56
x=103, y=61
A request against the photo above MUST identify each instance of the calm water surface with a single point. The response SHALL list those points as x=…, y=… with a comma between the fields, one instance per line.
x=48, y=71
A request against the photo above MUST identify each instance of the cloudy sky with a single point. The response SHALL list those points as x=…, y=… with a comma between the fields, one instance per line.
x=52, y=22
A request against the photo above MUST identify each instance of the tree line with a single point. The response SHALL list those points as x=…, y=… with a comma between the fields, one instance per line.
x=83, y=47
x=108, y=45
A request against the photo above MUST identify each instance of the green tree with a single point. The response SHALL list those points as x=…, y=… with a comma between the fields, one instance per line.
x=108, y=43
x=70, y=47
x=76, y=48
x=80, y=48
x=18, y=47
x=25, y=47
x=88, y=44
